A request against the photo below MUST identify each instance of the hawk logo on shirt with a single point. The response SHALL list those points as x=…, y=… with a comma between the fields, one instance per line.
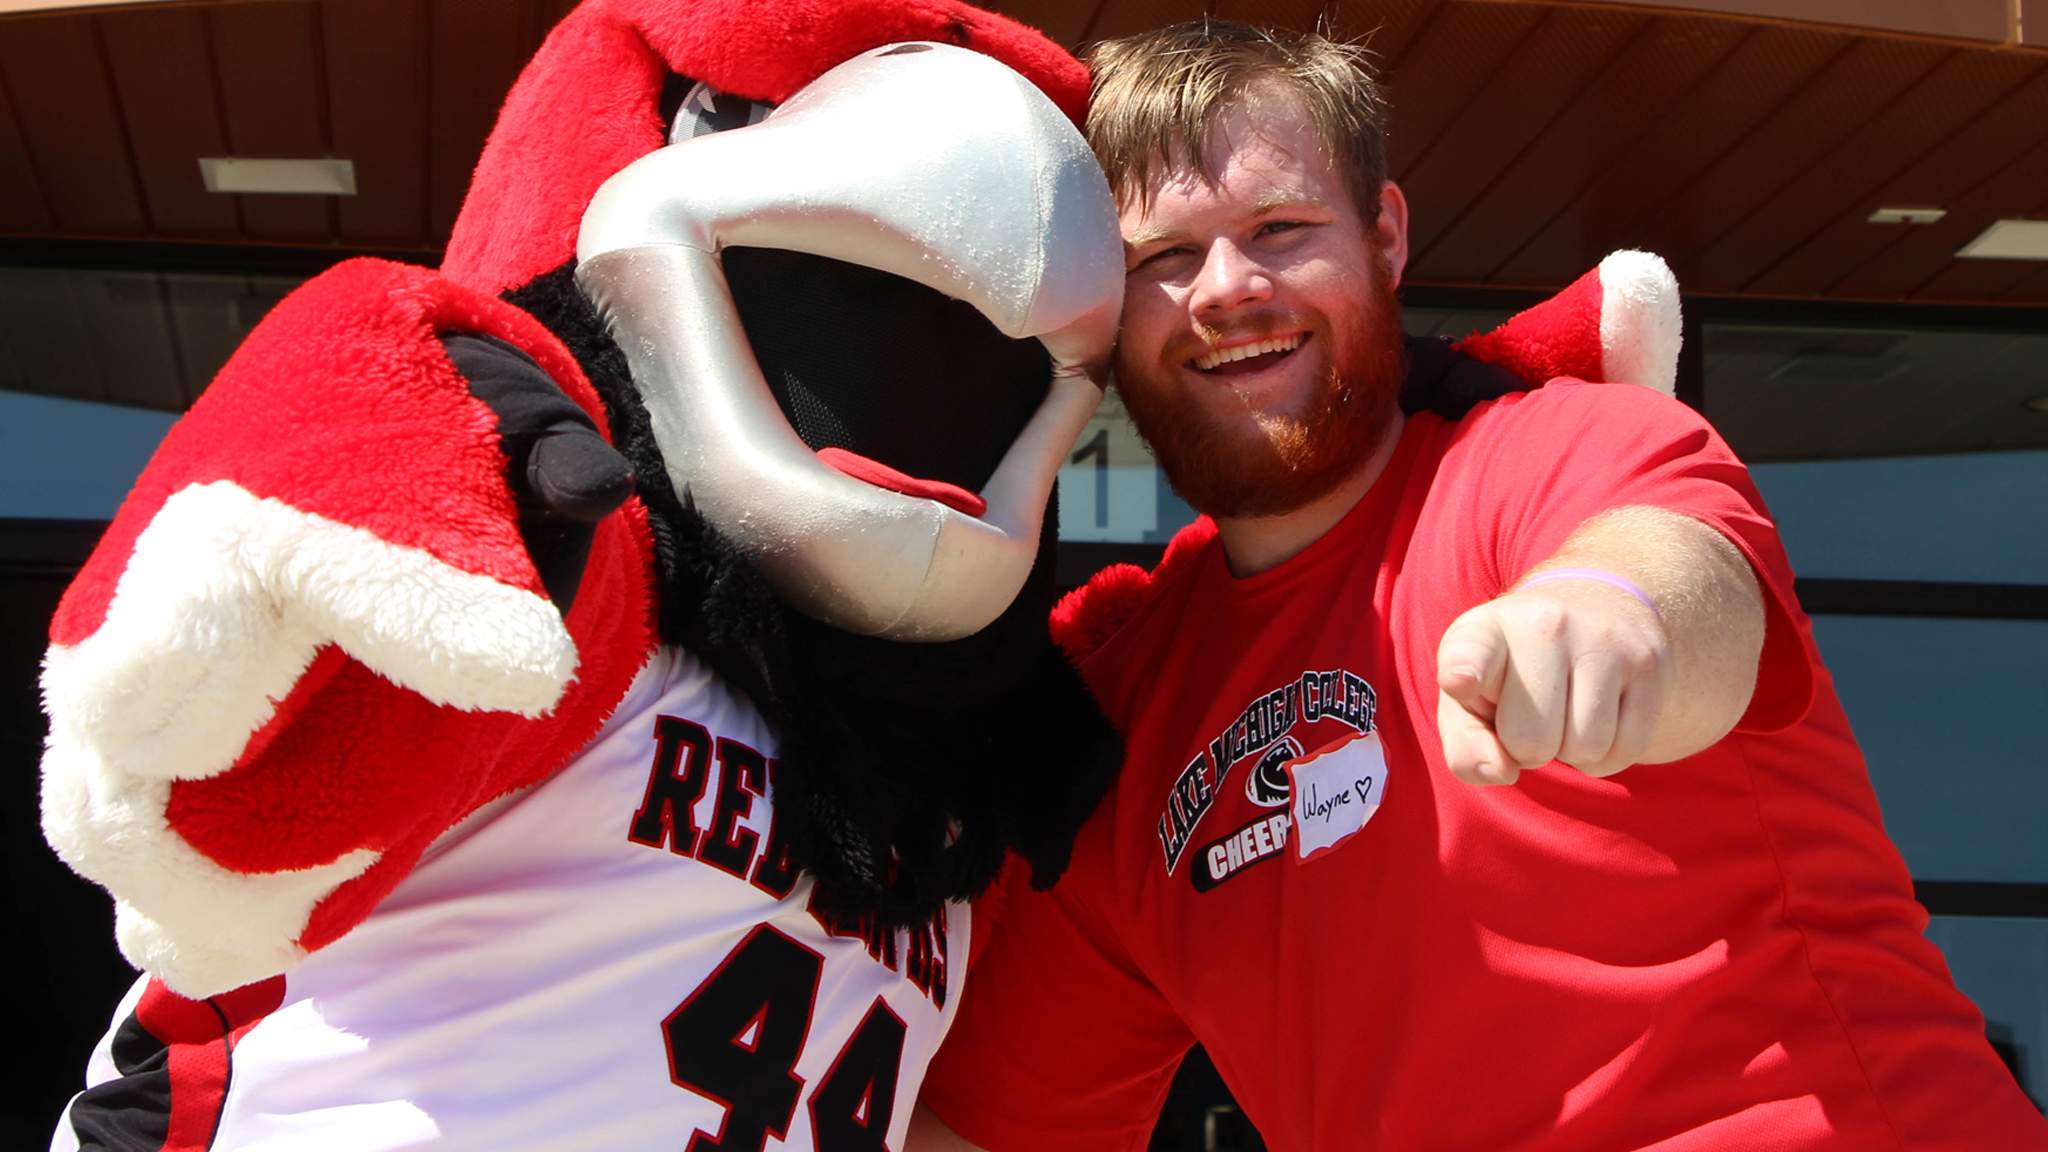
x=1262, y=731
x=1267, y=785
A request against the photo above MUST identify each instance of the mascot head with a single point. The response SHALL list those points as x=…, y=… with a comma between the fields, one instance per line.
x=841, y=270
x=937, y=165
x=605, y=89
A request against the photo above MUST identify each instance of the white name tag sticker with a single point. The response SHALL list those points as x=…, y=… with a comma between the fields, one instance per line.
x=1336, y=790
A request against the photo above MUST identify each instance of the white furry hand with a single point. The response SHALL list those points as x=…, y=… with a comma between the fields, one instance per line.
x=228, y=597
x=220, y=610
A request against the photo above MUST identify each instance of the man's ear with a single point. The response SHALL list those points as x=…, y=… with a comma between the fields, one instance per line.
x=1391, y=229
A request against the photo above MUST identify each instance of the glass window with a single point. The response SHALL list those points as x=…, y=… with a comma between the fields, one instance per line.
x=1915, y=457
x=1784, y=392
x=136, y=338
x=72, y=459
x=1911, y=459
x=94, y=366
x=1977, y=518
x=1110, y=490
x=1891, y=453
x=1948, y=714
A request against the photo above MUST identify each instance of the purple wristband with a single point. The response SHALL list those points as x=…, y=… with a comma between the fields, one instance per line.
x=1596, y=575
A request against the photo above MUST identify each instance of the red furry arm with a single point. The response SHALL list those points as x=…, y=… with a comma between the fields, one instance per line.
x=312, y=639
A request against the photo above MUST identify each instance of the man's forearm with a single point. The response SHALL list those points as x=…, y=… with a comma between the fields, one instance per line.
x=1709, y=603
x=1575, y=667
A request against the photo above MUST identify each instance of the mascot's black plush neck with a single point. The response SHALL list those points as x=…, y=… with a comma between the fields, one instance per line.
x=907, y=769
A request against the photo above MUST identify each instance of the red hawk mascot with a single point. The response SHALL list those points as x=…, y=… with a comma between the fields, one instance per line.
x=570, y=699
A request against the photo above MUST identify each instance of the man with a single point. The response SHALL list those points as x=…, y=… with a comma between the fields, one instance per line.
x=1297, y=868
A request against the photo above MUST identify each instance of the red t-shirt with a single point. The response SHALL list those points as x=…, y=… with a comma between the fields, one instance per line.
x=1719, y=953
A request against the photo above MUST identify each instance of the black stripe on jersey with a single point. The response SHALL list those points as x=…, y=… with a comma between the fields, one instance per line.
x=132, y=1112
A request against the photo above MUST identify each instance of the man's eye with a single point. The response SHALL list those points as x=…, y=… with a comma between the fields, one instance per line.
x=1274, y=227
x=1156, y=259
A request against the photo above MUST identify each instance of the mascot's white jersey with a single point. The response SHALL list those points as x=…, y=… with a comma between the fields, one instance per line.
x=619, y=958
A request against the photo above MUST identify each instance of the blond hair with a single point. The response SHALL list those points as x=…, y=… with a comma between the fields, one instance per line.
x=1159, y=94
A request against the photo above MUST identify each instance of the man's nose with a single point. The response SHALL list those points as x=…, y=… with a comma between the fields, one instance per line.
x=1229, y=279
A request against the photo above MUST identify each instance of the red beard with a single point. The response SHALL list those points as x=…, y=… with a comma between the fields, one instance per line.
x=1244, y=466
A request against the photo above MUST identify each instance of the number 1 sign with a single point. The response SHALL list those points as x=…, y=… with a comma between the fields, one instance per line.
x=1109, y=487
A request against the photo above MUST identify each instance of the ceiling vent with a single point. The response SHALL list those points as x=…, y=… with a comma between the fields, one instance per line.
x=278, y=177
x=2009, y=240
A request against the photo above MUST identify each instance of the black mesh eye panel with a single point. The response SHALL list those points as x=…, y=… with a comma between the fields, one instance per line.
x=816, y=424
x=879, y=365
x=692, y=108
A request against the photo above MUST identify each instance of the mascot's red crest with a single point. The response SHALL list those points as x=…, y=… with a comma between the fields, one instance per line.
x=587, y=104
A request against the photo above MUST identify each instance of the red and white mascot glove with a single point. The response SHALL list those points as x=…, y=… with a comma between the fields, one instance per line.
x=312, y=639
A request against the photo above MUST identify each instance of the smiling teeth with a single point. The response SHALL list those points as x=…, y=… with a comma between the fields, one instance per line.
x=1211, y=360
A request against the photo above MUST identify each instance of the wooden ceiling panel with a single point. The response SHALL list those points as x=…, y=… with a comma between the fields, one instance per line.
x=270, y=72
x=1552, y=67
x=2033, y=288
x=1765, y=70
x=1973, y=153
x=1306, y=15
x=1123, y=17
x=1901, y=270
x=476, y=53
x=1957, y=281
x=1945, y=101
x=163, y=73
x=1979, y=281
x=1656, y=69
x=1533, y=135
x=377, y=103
x=2001, y=281
x=1385, y=26
x=1450, y=62
x=1065, y=21
x=71, y=124
x=552, y=11
x=1787, y=146
x=1389, y=28
x=21, y=195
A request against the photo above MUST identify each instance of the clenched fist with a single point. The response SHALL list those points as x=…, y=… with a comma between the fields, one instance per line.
x=1571, y=669
x=1572, y=666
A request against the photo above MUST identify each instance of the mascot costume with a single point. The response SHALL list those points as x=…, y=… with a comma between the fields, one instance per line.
x=570, y=699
